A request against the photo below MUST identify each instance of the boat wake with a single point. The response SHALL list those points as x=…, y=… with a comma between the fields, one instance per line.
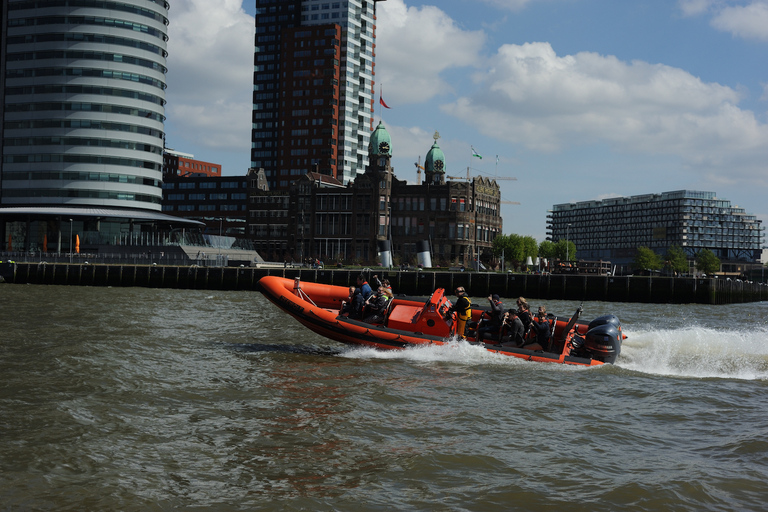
x=695, y=352
x=455, y=351
x=698, y=352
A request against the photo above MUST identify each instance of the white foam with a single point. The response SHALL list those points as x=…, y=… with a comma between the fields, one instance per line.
x=698, y=352
x=455, y=351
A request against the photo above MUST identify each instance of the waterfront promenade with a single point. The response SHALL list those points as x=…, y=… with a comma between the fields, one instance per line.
x=659, y=290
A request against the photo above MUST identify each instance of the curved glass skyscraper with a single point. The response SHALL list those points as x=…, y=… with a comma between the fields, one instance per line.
x=83, y=103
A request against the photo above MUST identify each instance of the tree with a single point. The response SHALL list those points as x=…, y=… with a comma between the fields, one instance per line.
x=547, y=249
x=677, y=259
x=515, y=248
x=707, y=262
x=530, y=247
x=565, y=250
x=645, y=258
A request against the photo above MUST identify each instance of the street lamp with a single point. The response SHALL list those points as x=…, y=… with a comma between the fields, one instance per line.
x=70, y=240
x=389, y=234
x=221, y=220
x=567, y=246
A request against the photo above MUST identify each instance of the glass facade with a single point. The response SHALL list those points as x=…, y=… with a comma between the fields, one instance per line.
x=287, y=123
x=84, y=103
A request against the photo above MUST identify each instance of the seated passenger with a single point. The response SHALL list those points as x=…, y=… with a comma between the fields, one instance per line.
x=542, y=330
x=377, y=306
x=491, y=323
x=364, y=289
x=512, y=328
x=381, y=282
x=524, y=313
x=347, y=305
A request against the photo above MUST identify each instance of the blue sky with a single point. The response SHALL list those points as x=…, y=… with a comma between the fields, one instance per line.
x=581, y=99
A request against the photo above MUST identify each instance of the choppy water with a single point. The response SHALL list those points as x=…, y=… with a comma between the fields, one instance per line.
x=143, y=399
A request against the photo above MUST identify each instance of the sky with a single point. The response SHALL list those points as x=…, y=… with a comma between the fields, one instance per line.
x=579, y=99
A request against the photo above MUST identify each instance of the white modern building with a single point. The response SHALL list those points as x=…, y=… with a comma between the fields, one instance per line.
x=83, y=106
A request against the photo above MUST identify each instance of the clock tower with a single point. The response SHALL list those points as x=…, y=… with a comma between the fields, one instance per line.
x=434, y=164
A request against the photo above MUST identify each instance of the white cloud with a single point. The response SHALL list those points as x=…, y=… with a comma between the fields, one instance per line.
x=748, y=22
x=747, y=19
x=414, y=46
x=514, y=5
x=531, y=96
x=210, y=69
x=694, y=7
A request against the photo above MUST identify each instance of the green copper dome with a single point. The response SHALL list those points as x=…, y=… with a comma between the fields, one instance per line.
x=435, y=161
x=381, y=142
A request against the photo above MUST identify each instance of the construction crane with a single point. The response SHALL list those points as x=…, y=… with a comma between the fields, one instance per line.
x=419, y=168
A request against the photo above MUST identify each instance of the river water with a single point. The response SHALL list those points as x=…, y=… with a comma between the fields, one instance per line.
x=154, y=399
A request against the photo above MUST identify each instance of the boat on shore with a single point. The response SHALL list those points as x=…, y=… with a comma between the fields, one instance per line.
x=412, y=322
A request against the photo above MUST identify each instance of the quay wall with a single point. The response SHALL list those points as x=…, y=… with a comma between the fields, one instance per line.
x=659, y=290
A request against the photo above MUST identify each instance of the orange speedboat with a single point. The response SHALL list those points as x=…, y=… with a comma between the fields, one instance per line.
x=412, y=322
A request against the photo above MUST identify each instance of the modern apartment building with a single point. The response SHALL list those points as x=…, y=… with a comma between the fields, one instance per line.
x=313, y=88
x=83, y=106
x=613, y=229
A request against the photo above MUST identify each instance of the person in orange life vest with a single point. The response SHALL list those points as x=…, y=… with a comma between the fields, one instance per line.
x=463, y=309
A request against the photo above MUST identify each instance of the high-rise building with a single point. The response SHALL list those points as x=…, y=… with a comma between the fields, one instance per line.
x=83, y=106
x=84, y=96
x=313, y=88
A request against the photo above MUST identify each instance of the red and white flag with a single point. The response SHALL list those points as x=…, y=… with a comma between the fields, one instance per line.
x=381, y=101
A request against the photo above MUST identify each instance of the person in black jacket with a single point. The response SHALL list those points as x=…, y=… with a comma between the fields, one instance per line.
x=524, y=313
x=491, y=324
x=542, y=330
x=377, y=306
x=512, y=328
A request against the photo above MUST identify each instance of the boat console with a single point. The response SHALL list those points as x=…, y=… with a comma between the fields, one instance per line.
x=428, y=319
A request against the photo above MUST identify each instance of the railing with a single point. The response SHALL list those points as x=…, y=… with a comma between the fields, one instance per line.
x=203, y=259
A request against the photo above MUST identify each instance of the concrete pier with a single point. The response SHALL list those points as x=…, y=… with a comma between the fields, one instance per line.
x=659, y=290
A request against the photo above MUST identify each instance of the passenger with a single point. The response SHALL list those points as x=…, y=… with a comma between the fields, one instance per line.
x=377, y=306
x=541, y=329
x=347, y=305
x=365, y=288
x=492, y=323
x=358, y=303
x=524, y=313
x=385, y=283
x=463, y=309
x=512, y=328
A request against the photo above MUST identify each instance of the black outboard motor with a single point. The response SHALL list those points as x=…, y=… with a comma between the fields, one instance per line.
x=602, y=341
x=605, y=319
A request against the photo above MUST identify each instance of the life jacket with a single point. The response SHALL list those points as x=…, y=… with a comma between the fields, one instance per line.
x=466, y=313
